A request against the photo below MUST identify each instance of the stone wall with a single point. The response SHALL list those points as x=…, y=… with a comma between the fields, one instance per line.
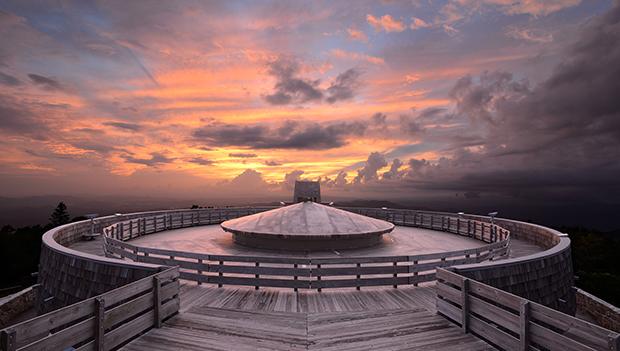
x=603, y=313
x=545, y=277
x=15, y=304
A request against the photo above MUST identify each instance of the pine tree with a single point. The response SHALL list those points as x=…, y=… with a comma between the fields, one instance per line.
x=60, y=215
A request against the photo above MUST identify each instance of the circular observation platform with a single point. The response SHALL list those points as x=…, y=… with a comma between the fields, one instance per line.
x=307, y=226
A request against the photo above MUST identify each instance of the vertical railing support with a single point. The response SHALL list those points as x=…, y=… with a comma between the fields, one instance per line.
x=220, y=274
x=359, y=266
x=295, y=278
x=524, y=325
x=613, y=343
x=7, y=340
x=200, y=270
x=318, y=266
x=99, y=324
x=465, y=306
x=415, y=274
x=157, y=301
x=395, y=275
x=257, y=264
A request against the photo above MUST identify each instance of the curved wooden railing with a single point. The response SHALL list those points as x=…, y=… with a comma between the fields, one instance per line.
x=304, y=273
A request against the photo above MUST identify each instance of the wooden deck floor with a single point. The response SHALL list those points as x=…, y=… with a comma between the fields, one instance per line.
x=276, y=319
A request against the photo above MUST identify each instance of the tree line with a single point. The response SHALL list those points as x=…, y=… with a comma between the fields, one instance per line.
x=20, y=249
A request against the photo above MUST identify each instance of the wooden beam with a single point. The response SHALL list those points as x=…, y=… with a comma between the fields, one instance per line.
x=99, y=323
x=524, y=325
x=7, y=339
x=465, y=306
x=157, y=301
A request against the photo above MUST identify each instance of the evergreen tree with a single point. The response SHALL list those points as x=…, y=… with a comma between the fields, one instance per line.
x=60, y=215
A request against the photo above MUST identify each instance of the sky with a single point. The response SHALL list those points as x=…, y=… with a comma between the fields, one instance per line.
x=501, y=101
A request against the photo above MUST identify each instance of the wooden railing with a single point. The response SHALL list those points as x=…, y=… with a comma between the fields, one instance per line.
x=304, y=273
x=514, y=323
x=100, y=323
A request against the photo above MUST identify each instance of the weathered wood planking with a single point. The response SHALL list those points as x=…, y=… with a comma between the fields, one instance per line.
x=208, y=328
x=515, y=323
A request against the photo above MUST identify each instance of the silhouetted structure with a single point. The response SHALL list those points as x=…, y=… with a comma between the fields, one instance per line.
x=306, y=190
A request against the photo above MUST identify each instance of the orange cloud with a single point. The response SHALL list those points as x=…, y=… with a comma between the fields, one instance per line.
x=342, y=54
x=355, y=34
x=385, y=23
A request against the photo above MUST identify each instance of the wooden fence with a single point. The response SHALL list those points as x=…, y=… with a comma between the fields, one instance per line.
x=514, y=323
x=100, y=323
x=304, y=273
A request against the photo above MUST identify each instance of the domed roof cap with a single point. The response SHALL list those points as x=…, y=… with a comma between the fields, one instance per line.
x=307, y=219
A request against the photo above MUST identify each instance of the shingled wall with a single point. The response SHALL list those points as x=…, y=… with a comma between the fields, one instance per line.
x=545, y=277
x=67, y=276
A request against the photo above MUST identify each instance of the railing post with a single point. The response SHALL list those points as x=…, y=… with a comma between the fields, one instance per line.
x=99, y=323
x=395, y=275
x=469, y=227
x=465, y=306
x=220, y=274
x=7, y=339
x=524, y=325
x=256, y=276
x=415, y=274
x=131, y=229
x=295, y=278
x=613, y=343
x=122, y=231
x=200, y=270
x=157, y=301
x=318, y=277
x=359, y=266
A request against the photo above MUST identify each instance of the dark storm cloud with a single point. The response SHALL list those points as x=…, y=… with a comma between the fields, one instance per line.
x=379, y=119
x=124, y=125
x=45, y=82
x=242, y=155
x=273, y=163
x=95, y=146
x=557, y=142
x=9, y=80
x=289, y=135
x=344, y=86
x=201, y=161
x=155, y=160
x=21, y=118
x=290, y=88
x=375, y=162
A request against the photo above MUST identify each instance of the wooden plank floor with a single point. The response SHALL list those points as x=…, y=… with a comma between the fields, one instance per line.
x=307, y=301
x=228, y=318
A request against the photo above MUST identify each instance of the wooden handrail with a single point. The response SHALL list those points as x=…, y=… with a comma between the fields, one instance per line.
x=306, y=273
x=512, y=322
x=102, y=322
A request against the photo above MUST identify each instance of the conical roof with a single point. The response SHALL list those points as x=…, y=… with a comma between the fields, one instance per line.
x=306, y=220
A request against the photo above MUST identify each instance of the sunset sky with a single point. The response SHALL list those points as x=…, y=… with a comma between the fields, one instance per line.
x=393, y=99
